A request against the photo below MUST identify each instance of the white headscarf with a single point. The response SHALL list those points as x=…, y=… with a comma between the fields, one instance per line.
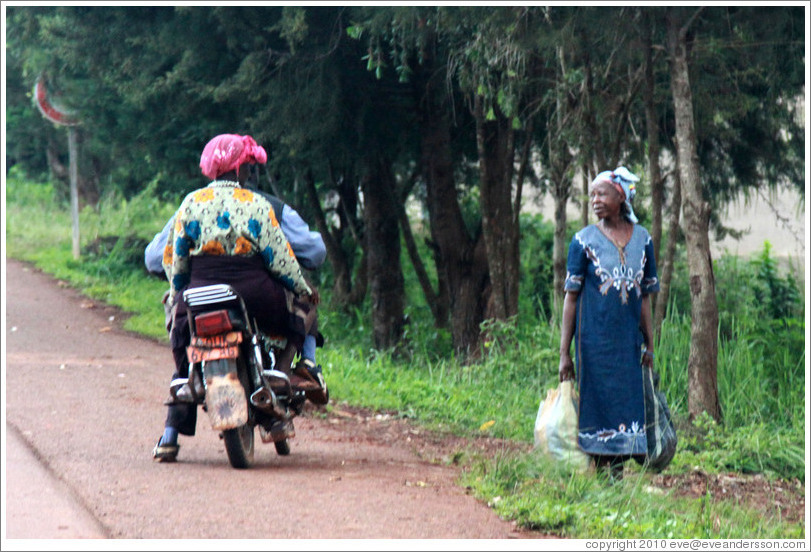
x=625, y=183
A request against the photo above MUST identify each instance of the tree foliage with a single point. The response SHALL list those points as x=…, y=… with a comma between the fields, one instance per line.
x=454, y=107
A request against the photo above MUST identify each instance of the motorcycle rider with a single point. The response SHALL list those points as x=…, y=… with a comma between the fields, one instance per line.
x=225, y=233
x=310, y=251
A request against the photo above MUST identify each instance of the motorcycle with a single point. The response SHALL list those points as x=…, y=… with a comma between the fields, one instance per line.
x=239, y=374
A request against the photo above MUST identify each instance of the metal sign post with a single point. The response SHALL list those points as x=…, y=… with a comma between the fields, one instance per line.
x=60, y=116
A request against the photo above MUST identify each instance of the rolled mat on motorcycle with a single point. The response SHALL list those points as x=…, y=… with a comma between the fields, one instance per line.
x=239, y=374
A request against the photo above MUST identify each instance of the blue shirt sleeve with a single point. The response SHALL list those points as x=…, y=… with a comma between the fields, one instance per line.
x=308, y=246
x=153, y=254
x=650, y=279
x=576, y=265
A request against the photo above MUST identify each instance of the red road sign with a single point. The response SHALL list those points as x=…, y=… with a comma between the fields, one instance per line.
x=51, y=109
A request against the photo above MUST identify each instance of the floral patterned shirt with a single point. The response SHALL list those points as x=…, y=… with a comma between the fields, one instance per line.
x=226, y=219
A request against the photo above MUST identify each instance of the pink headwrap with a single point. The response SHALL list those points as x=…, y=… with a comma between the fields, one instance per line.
x=227, y=152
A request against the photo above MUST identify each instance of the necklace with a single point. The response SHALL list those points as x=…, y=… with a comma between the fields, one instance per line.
x=607, y=232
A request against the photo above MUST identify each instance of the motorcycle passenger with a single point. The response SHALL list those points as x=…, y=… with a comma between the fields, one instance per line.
x=310, y=251
x=224, y=233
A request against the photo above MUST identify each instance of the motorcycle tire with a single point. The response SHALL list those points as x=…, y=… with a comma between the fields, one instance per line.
x=239, y=446
x=282, y=447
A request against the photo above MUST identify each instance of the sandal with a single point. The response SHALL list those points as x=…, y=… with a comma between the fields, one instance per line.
x=316, y=391
x=165, y=453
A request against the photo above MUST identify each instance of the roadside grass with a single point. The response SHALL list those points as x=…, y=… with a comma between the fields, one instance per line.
x=544, y=497
x=111, y=269
x=761, y=375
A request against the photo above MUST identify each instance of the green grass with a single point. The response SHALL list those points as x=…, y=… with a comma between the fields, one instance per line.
x=38, y=230
x=543, y=497
x=440, y=392
x=761, y=376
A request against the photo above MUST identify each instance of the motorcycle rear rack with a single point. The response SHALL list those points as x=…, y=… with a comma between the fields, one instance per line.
x=209, y=295
x=200, y=298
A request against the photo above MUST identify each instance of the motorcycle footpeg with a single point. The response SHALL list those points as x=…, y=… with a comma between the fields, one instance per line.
x=279, y=382
x=181, y=392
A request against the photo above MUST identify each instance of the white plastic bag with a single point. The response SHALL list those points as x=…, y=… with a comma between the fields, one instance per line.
x=556, y=427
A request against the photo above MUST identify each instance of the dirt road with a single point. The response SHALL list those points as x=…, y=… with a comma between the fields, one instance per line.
x=84, y=399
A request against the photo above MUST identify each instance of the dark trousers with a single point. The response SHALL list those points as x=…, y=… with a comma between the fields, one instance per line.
x=264, y=298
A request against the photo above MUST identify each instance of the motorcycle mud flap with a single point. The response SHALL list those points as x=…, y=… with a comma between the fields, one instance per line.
x=226, y=402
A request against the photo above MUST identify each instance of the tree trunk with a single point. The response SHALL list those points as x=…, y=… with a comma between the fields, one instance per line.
x=337, y=258
x=438, y=308
x=594, y=148
x=462, y=257
x=360, y=283
x=652, y=128
x=348, y=204
x=703, y=361
x=496, y=148
x=561, y=193
x=584, y=203
x=461, y=260
x=59, y=170
x=669, y=260
x=87, y=170
x=560, y=160
x=523, y=168
x=383, y=249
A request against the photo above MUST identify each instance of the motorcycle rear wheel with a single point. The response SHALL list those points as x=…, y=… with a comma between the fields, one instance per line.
x=239, y=446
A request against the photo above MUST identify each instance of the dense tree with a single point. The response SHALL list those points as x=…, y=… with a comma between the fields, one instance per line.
x=725, y=142
x=362, y=108
x=349, y=135
x=652, y=129
x=460, y=260
x=427, y=44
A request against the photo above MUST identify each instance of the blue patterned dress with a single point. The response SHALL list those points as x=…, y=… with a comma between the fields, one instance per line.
x=608, y=341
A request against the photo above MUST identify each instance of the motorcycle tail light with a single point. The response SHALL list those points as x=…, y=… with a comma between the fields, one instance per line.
x=212, y=323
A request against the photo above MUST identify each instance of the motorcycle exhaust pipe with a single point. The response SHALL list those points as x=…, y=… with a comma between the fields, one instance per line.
x=264, y=399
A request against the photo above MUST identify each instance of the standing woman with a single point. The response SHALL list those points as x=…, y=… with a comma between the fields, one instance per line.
x=611, y=273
